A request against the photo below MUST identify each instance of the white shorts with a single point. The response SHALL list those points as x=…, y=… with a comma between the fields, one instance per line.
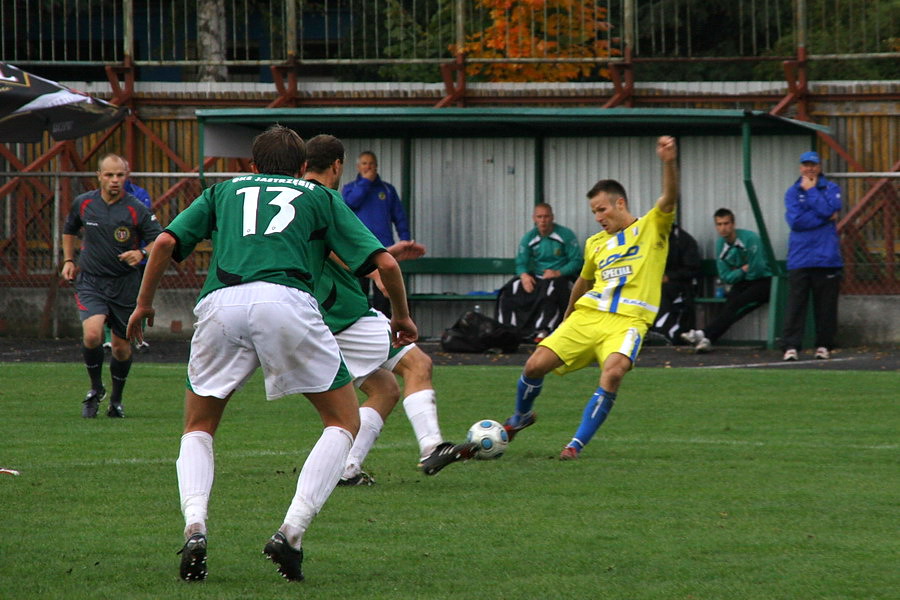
x=366, y=346
x=242, y=327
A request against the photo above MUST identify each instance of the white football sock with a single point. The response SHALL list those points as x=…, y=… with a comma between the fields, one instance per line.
x=370, y=424
x=318, y=478
x=195, y=467
x=421, y=410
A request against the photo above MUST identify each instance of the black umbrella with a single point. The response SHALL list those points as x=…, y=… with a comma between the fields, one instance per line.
x=31, y=105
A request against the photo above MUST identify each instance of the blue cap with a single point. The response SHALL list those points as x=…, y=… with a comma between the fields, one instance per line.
x=810, y=156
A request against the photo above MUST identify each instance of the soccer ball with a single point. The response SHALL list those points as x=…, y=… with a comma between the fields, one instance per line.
x=491, y=438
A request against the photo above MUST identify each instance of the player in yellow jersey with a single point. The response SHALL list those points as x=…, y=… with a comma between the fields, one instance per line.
x=613, y=303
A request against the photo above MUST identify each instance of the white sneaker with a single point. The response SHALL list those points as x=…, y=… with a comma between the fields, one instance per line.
x=693, y=336
x=823, y=353
x=704, y=345
x=790, y=354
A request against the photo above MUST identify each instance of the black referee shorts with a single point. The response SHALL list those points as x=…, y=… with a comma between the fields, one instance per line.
x=114, y=297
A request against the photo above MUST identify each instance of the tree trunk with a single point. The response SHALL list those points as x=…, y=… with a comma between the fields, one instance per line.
x=211, y=36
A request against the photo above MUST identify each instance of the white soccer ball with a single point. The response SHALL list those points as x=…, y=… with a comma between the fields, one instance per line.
x=491, y=438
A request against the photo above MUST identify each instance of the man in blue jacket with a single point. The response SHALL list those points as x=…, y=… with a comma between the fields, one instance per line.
x=378, y=206
x=814, y=260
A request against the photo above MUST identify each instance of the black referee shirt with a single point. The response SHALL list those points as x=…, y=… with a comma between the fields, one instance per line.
x=109, y=230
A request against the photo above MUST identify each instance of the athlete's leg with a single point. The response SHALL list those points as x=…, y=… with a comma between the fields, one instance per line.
x=601, y=402
x=92, y=336
x=420, y=400
x=382, y=395
x=339, y=410
x=195, y=464
x=541, y=362
x=119, y=366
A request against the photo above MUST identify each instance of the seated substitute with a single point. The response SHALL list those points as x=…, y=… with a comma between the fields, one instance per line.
x=679, y=286
x=547, y=262
x=741, y=263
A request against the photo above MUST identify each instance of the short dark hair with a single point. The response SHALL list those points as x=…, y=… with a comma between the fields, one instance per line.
x=322, y=151
x=367, y=153
x=610, y=186
x=279, y=150
x=723, y=212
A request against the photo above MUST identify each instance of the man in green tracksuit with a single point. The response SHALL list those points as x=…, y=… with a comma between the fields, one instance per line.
x=741, y=263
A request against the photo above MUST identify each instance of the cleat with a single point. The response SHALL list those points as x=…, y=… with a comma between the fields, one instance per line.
x=193, y=558
x=361, y=478
x=115, y=411
x=822, y=353
x=288, y=560
x=568, y=453
x=512, y=428
x=790, y=354
x=703, y=346
x=445, y=454
x=91, y=402
x=693, y=336
x=540, y=336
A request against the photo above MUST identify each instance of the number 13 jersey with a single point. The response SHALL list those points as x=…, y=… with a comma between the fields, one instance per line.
x=272, y=228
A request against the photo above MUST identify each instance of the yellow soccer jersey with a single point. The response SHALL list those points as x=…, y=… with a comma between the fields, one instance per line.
x=627, y=267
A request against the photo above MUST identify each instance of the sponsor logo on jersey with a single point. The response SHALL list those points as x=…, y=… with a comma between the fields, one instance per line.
x=122, y=234
x=630, y=253
x=615, y=273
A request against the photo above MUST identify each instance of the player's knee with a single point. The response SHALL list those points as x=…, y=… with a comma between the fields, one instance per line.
x=415, y=364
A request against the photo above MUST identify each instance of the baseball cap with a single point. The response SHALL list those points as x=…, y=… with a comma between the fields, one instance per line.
x=810, y=156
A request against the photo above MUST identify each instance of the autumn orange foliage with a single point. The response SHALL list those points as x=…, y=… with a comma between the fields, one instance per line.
x=539, y=29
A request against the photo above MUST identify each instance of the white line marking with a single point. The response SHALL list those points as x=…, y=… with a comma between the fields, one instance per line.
x=780, y=363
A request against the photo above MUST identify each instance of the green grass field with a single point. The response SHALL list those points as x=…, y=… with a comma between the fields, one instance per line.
x=701, y=485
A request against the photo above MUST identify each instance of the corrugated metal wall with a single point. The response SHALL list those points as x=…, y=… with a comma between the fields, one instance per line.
x=473, y=197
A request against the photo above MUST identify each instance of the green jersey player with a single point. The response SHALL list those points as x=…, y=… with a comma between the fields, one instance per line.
x=269, y=233
x=363, y=336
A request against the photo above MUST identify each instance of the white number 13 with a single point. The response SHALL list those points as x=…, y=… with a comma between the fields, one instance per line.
x=283, y=200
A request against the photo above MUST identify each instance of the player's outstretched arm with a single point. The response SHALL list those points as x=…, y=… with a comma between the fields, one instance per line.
x=153, y=273
x=667, y=151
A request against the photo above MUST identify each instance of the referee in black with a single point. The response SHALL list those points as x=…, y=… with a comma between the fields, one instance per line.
x=107, y=278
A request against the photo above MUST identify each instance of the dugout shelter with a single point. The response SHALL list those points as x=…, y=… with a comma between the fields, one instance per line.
x=469, y=178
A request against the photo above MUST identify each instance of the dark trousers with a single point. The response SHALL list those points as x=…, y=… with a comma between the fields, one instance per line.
x=743, y=297
x=540, y=310
x=377, y=300
x=825, y=285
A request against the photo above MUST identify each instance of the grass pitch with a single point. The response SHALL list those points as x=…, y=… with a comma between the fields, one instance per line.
x=702, y=484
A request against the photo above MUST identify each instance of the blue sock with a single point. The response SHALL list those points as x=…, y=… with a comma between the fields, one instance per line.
x=526, y=393
x=595, y=412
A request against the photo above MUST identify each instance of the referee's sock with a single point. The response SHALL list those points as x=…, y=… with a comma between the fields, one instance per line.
x=595, y=413
x=93, y=360
x=118, y=371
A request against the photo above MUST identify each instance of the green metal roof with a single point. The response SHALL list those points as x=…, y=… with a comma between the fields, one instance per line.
x=507, y=122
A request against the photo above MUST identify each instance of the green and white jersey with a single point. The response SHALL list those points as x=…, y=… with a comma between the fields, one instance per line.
x=341, y=300
x=271, y=228
x=340, y=297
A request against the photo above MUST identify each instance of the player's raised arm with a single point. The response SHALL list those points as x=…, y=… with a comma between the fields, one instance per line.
x=667, y=151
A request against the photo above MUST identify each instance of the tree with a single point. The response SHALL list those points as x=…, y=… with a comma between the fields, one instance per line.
x=540, y=29
x=211, y=39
